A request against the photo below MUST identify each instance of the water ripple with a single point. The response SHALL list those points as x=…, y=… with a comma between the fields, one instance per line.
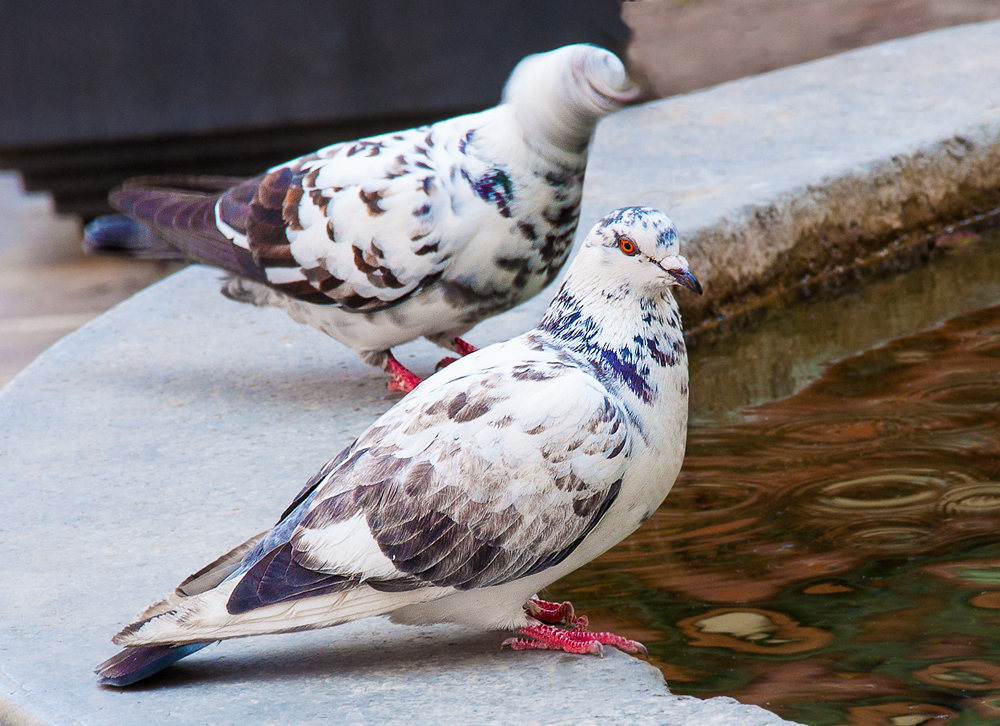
x=835, y=556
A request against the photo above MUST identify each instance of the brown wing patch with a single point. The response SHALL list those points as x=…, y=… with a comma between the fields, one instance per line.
x=320, y=200
x=322, y=278
x=377, y=274
x=266, y=224
x=371, y=200
x=290, y=207
x=303, y=290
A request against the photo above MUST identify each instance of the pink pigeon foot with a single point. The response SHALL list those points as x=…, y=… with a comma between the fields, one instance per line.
x=549, y=637
x=403, y=380
x=556, y=613
x=462, y=348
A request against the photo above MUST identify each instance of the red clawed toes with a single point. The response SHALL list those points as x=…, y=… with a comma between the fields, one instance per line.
x=573, y=638
x=403, y=380
x=624, y=644
x=548, y=637
x=553, y=613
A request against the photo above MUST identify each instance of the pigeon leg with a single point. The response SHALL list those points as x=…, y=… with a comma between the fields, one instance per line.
x=403, y=380
x=460, y=347
x=463, y=348
x=548, y=637
x=554, y=613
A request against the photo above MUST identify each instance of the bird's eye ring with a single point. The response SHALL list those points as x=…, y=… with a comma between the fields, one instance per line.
x=628, y=246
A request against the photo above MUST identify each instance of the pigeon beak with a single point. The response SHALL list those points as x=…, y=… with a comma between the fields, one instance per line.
x=677, y=268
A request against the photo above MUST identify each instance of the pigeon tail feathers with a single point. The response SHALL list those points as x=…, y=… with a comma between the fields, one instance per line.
x=119, y=235
x=134, y=664
x=180, y=211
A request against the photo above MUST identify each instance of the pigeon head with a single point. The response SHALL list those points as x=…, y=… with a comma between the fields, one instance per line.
x=640, y=244
x=558, y=97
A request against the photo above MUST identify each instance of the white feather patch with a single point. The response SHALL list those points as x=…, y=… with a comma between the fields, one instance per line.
x=204, y=617
x=228, y=232
x=279, y=275
x=346, y=548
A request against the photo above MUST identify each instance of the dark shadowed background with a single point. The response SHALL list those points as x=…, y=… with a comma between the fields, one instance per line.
x=96, y=91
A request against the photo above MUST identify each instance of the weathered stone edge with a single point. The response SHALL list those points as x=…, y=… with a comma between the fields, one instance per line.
x=836, y=223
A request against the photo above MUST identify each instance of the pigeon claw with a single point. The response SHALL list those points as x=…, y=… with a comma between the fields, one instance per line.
x=549, y=637
x=593, y=648
x=403, y=380
x=552, y=613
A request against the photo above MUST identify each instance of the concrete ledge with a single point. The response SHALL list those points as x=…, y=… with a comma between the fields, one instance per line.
x=164, y=432
x=778, y=180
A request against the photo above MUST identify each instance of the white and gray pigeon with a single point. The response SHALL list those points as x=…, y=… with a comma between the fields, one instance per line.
x=424, y=232
x=503, y=472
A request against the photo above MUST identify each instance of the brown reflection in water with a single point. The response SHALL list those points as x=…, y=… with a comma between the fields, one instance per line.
x=826, y=588
x=987, y=600
x=892, y=452
x=987, y=708
x=847, y=516
x=900, y=714
x=752, y=631
x=815, y=679
x=965, y=675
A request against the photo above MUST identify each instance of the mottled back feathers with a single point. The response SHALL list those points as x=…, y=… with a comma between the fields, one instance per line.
x=443, y=225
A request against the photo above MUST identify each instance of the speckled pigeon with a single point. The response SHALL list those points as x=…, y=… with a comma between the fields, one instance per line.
x=424, y=232
x=503, y=472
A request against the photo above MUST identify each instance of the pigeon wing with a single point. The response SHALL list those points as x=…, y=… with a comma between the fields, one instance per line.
x=505, y=481
x=481, y=480
x=360, y=225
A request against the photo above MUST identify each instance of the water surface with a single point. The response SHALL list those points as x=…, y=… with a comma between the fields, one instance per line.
x=833, y=555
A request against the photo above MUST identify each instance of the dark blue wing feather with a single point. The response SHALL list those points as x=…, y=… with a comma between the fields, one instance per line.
x=134, y=664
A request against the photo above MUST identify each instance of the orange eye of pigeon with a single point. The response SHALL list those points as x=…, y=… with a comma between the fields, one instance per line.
x=627, y=246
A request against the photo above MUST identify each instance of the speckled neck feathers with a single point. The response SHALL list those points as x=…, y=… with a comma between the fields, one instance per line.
x=634, y=342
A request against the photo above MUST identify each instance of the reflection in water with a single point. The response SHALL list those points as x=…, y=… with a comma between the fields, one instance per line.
x=834, y=557
x=789, y=346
